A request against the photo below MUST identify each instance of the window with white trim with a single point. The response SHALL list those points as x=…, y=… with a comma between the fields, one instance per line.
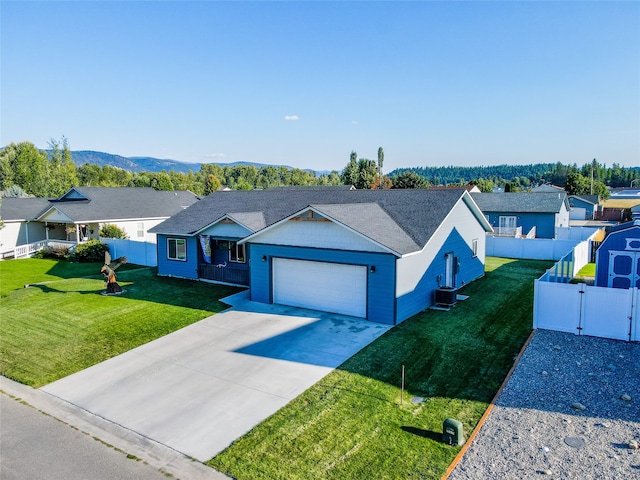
x=140, y=229
x=236, y=252
x=177, y=249
x=474, y=247
x=507, y=225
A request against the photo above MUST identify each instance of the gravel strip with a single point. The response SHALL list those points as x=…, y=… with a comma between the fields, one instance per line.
x=571, y=410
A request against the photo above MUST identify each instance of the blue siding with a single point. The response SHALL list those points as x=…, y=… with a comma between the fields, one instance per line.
x=545, y=223
x=178, y=268
x=615, y=241
x=423, y=296
x=380, y=284
x=578, y=203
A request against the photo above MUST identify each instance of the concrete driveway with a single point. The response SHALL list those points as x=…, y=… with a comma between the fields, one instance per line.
x=200, y=388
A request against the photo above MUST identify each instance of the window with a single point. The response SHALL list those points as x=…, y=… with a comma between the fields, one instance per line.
x=177, y=249
x=507, y=225
x=140, y=229
x=474, y=247
x=236, y=252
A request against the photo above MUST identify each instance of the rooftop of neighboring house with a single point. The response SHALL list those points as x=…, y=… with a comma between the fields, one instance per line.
x=97, y=204
x=547, y=187
x=402, y=220
x=592, y=199
x=22, y=209
x=522, y=202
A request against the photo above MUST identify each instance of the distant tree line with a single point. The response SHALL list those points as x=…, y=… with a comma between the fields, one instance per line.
x=591, y=177
x=25, y=170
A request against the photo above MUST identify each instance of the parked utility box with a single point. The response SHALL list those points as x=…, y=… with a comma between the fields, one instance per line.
x=452, y=432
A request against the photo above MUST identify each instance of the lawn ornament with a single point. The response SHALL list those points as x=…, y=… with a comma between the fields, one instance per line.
x=109, y=272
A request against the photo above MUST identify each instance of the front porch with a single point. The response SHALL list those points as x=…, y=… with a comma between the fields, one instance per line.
x=222, y=260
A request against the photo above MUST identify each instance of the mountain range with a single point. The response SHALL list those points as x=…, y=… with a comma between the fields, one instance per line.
x=150, y=164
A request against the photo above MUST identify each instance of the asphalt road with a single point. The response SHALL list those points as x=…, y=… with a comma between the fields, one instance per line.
x=36, y=446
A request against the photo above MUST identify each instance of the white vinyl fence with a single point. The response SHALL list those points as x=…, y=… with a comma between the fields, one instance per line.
x=529, y=248
x=587, y=310
x=584, y=309
x=140, y=253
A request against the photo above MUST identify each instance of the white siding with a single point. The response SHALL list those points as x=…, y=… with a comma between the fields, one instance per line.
x=318, y=234
x=411, y=268
x=9, y=236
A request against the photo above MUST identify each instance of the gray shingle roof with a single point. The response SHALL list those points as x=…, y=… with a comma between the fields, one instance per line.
x=402, y=220
x=542, y=202
x=123, y=203
x=15, y=209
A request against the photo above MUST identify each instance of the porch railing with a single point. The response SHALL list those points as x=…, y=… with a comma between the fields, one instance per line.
x=223, y=274
x=29, y=249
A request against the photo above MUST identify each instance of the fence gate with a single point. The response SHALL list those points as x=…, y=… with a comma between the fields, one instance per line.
x=587, y=310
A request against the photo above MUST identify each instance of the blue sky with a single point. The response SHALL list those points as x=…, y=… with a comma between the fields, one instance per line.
x=305, y=83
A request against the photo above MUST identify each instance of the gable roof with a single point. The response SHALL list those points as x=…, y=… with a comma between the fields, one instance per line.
x=623, y=226
x=542, y=202
x=401, y=220
x=592, y=199
x=546, y=188
x=22, y=209
x=98, y=204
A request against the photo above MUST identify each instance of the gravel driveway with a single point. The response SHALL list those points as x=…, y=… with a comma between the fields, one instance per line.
x=571, y=410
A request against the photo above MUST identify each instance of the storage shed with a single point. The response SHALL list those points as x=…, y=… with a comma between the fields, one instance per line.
x=618, y=257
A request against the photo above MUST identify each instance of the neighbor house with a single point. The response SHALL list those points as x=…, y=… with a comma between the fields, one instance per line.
x=525, y=214
x=618, y=257
x=584, y=207
x=375, y=254
x=78, y=215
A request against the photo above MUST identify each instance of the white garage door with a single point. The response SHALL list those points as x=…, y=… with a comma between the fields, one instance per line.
x=329, y=287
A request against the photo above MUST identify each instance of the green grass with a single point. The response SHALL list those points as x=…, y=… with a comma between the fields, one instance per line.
x=63, y=325
x=350, y=425
x=589, y=270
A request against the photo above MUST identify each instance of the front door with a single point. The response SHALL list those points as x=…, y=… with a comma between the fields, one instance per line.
x=449, y=272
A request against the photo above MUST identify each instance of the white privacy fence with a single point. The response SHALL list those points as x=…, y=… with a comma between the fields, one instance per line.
x=587, y=310
x=570, y=264
x=140, y=253
x=584, y=309
x=529, y=248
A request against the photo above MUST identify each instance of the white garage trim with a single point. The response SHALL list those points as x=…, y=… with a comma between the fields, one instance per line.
x=329, y=287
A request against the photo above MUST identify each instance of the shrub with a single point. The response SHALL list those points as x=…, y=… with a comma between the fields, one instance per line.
x=110, y=230
x=58, y=252
x=91, y=251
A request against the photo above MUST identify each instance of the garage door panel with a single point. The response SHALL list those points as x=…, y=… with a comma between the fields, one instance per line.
x=322, y=286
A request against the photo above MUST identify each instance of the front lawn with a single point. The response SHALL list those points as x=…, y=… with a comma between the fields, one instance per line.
x=63, y=325
x=350, y=425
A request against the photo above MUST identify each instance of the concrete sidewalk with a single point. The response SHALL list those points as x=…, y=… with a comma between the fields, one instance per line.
x=165, y=459
x=196, y=390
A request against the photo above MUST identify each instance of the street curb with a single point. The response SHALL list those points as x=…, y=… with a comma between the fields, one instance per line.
x=128, y=442
x=487, y=412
